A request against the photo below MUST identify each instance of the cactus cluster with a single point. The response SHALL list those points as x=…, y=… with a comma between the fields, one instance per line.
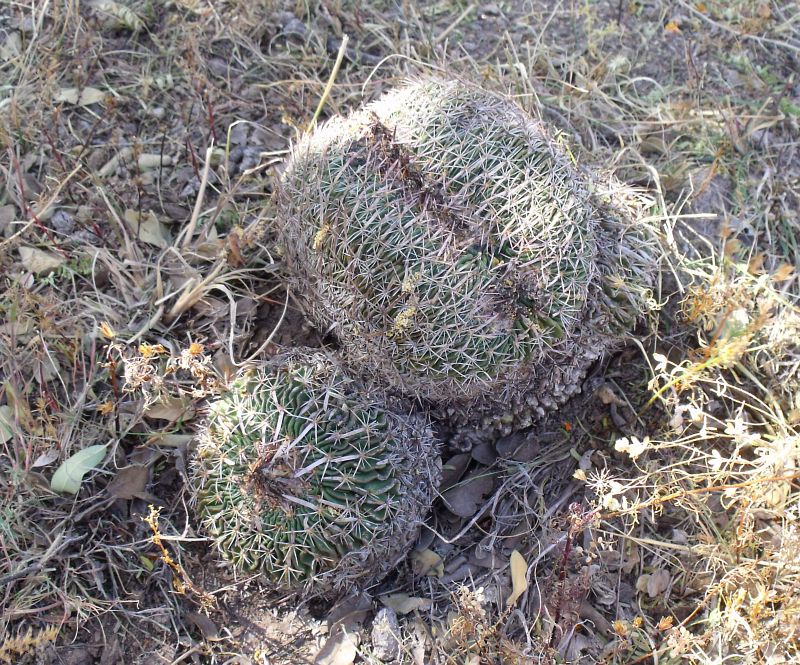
x=302, y=475
x=465, y=264
x=459, y=255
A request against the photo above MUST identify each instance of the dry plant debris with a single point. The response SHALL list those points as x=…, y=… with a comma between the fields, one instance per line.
x=657, y=516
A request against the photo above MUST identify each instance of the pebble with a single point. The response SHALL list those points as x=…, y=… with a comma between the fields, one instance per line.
x=385, y=632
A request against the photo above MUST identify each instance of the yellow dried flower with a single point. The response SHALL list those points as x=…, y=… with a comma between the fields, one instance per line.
x=107, y=331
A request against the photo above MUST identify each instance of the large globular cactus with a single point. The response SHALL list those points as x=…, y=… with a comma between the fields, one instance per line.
x=307, y=477
x=459, y=255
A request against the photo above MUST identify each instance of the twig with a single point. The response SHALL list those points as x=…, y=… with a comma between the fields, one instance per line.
x=443, y=34
x=198, y=204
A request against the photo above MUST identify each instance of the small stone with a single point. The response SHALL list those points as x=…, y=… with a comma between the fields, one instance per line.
x=385, y=635
x=62, y=222
x=191, y=188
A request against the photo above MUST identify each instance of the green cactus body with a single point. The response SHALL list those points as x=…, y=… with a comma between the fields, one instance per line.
x=301, y=475
x=455, y=252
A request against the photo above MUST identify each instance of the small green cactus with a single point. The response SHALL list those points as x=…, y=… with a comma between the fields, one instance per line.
x=456, y=252
x=303, y=476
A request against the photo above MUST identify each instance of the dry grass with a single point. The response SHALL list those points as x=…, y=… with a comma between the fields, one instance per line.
x=658, y=516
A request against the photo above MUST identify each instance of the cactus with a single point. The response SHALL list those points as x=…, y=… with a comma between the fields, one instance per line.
x=303, y=476
x=458, y=254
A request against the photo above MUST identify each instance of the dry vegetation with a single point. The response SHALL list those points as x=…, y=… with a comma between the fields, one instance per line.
x=655, y=520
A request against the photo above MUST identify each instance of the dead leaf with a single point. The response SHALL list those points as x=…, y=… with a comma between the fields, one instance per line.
x=340, y=648
x=402, y=603
x=147, y=228
x=466, y=497
x=426, y=562
x=148, y=161
x=657, y=583
x=39, y=261
x=7, y=423
x=17, y=328
x=522, y=446
x=732, y=247
x=630, y=561
x=12, y=46
x=80, y=96
x=171, y=409
x=119, y=16
x=756, y=264
x=169, y=440
x=44, y=459
x=607, y=395
x=484, y=453
x=206, y=626
x=672, y=27
x=453, y=469
x=349, y=613
x=783, y=272
x=519, y=577
x=130, y=482
x=7, y=215
x=49, y=368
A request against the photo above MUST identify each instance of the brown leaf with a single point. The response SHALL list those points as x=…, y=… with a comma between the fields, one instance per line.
x=40, y=261
x=349, y=613
x=484, y=453
x=340, y=648
x=44, y=459
x=426, y=562
x=519, y=577
x=7, y=423
x=8, y=214
x=171, y=409
x=756, y=264
x=207, y=627
x=402, y=603
x=783, y=272
x=80, y=96
x=169, y=440
x=607, y=395
x=466, y=497
x=147, y=228
x=130, y=482
x=658, y=583
x=453, y=469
